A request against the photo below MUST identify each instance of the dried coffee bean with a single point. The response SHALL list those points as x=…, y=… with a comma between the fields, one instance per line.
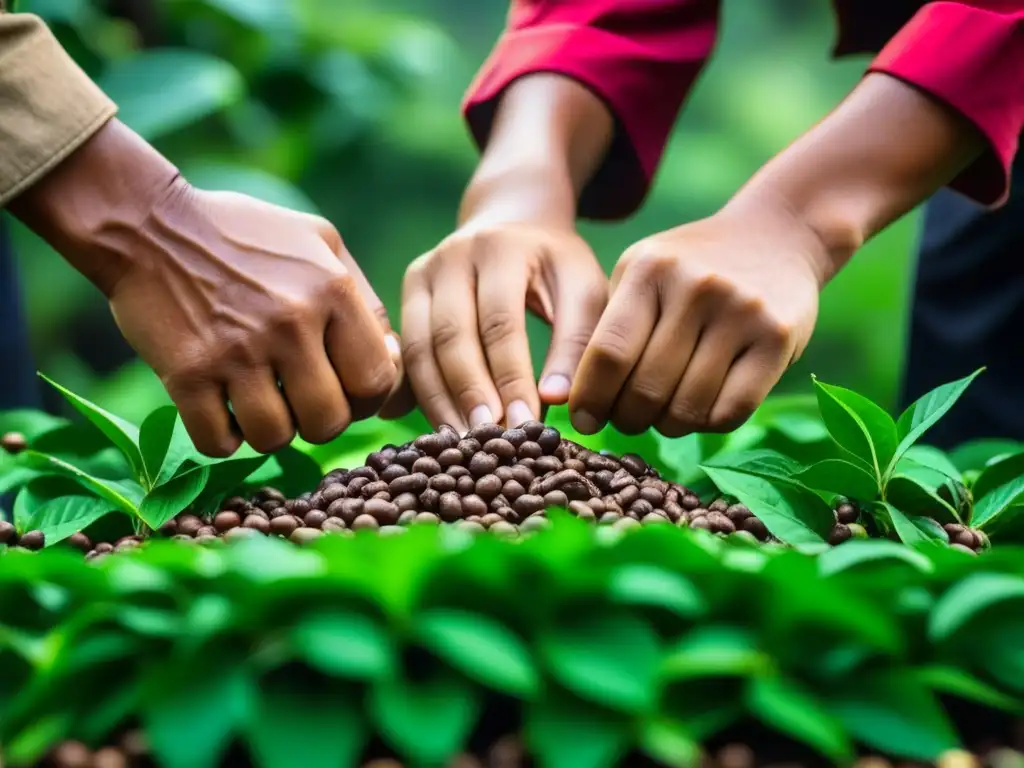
x=487, y=487
x=268, y=493
x=599, y=463
x=450, y=507
x=719, y=505
x=416, y=482
x=104, y=546
x=674, y=511
x=628, y=495
x=847, y=513
x=527, y=504
x=499, y=501
x=378, y=461
x=79, y=541
x=298, y=507
x=738, y=513
x=270, y=505
x=314, y=518
x=529, y=451
x=406, y=501
x=449, y=435
x=575, y=464
x=355, y=486
x=690, y=501
x=457, y=471
x=442, y=483
x=640, y=508
x=350, y=510
x=372, y=489
x=331, y=494
x=840, y=533
x=189, y=524
x=306, y=535
x=367, y=472
x=426, y=518
x=656, y=517
x=549, y=440
x=968, y=538
x=226, y=520
x=625, y=523
x=465, y=485
x=242, y=532
x=501, y=448
x=556, y=499
x=449, y=457
x=652, y=496
x=407, y=516
x=490, y=519
x=633, y=464
x=483, y=464
x=701, y=522
x=719, y=522
x=427, y=465
x=608, y=518
x=33, y=540
x=235, y=504
x=392, y=472
x=954, y=529
x=285, y=524
x=534, y=523
x=546, y=464
x=504, y=529
x=257, y=512
x=472, y=526
x=430, y=500
x=516, y=436
x=484, y=432
x=468, y=447
x=558, y=480
x=756, y=527
x=365, y=522
x=7, y=532
x=523, y=475
x=167, y=529
x=261, y=524
x=206, y=530
x=621, y=479
x=385, y=512
x=504, y=474
x=473, y=505
x=532, y=428
x=598, y=505
x=333, y=525
x=430, y=445
x=512, y=490
x=582, y=510
x=407, y=457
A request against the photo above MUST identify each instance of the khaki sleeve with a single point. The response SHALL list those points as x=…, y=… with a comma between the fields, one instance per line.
x=48, y=105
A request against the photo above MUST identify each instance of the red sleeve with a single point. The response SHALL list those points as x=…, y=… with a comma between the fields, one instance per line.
x=639, y=56
x=971, y=56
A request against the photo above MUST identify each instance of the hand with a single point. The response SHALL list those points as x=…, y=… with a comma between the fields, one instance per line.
x=702, y=322
x=464, y=321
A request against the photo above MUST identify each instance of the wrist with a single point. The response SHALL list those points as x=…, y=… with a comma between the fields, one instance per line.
x=92, y=205
x=527, y=193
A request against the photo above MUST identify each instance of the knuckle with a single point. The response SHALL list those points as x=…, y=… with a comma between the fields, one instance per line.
x=711, y=285
x=376, y=380
x=290, y=318
x=416, y=350
x=775, y=333
x=272, y=442
x=686, y=413
x=612, y=350
x=341, y=288
x=732, y=416
x=445, y=334
x=648, y=395
x=499, y=325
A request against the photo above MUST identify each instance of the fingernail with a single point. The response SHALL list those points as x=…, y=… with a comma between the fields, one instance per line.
x=394, y=348
x=585, y=423
x=518, y=412
x=480, y=415
x=555, y=387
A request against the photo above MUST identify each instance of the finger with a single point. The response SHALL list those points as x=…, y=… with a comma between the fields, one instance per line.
x=578, y=307
x=401, y=400
x=260, y=410
x=312, y=390
x=690, y=407
x=204, y=412
x=663, y=362
x=356, y=345
x=421, y=368
x=618, y=341
x=748, y=383
x=501, y=308
x=458, y=350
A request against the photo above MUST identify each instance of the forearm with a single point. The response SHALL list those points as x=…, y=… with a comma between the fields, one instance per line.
x=549, y=136
x=882, y=152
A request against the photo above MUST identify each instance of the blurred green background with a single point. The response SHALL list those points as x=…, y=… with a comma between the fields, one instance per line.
x=351, y=109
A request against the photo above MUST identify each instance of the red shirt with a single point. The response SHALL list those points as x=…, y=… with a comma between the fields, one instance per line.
x=643, y=56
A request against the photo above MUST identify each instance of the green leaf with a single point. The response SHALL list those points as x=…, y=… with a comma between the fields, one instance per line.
x=650, y=585
x=839, y=476
x=228, y=475
x=995, y=504
x=930, y=457
x=305, y=725
x=763, y=463
x=179, y=450
x=122, y=494
x=297, y=472
x=893, y=712
x=345, y=643
x=60, y=517
x=913, y=496
x=155, y=438
x=585, y=654
x=564, y=732
x=912, y=531
x=967, y=598
x=998, y=474
x=922, y=414
x=208, y=704
x=121, y=433
x=427, y=721
x=785, y=706
x=159, y=92
x=795, y=515
x=669, y=743
x=167, y=500
x=30, y=423
x=977, y=454
x=855, y=554
x=714, y=651
x=858, y=425
x=953, y=681
x=481, y=648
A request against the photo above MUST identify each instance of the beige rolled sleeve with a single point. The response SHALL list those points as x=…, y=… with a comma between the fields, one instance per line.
x=48, y=105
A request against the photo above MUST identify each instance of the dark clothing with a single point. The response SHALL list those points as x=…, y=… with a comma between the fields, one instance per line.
x=968, y=312
x=19, y=387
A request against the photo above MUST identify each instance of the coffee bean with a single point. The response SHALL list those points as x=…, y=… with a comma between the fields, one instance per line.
x=719, y=522
x=189, y=524
x=599, y=463
x=641, y=507
x=406, y=501
x=79, y=541
x=103, y=547
x=242, y=532
x=484, y=432
x=109, y=757
x=368, y=472
x=465, y=485
x=261, y=524
x=954, y=529
x=379, y=461
x=355, y=486
x=756, y=527
x=625, y=523
x=847, y=513
x=652, y=496
x=499, y=501
x=426, y=518
x=608, y=518
x=674, y=511
x=257, y=512
x=407, y=516
x=333, y=525
x=504, y=529
x=529, y=451
x=556, y=499
x=385, y=512
x=365, y=522
x=968, y=538
x=416, y=482
x=738, y=513
x=719, y=505
x=430, y=500
x=656, y=517
x=7, y=532
x=307, y=535
x=267, y=493
x=285, y=524
x=33, y=540
x=71, y=754
x=490, y=519
x=468, y=447
x=549, y=439
x=840, y=533
x=516, y=436
x=701, y=522
x=598, y=505
x=442, y=483
x=235, y=504
x=736, y=756
x=487, y=487
x=430, y=445
x=407, y=457
x=534, y=523
x=350, y=510
x=372, y=489
x=621, y=479
x=449, y=457
x=473, y=505
x=527, y=504
x=690, y=501
x=270, y=505
x=582, y=510
x=450, y=506
x=546, y=464
x=504, y=474
x=393, y=472
x=449, y=435
x=628, y=495
x=472, y=526
x=483, y=464
x=558, y=480
x=206, y=530
x=633, y=464
x=522, y=475
x=298, y=507
x=457, y=471
x=512, y=490
x=167, y=529
x=501, y=448
x=427, y=465
x=332, y=493
x=315, y=518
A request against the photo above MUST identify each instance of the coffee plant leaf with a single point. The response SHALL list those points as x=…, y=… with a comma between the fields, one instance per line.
x=290, y=471
x=858, y=425
x=998, y=651
x=977, y=454
x=29, y=422
x=181, y=454
x=316, y=724
x=861, y=555
x=916, y=496
x=794, y=514
x=566, y=732
x=345, y=643
x=953, y=681
x=60, y=517
x=839, y=476
x=912, y=530
x=714, y=651
x=427, y=721
x=155, y=437
x=209, y=704
x=999, y=503
x=228, y=475
x=969, y=598
x=924, y=413
x=788, y=708
x=120, y=432
x=122, y=494
x=764, y=463
x=669, y=743
x=931, y=457
x=586, y=655
x=167, y=500
x=997, y=473
x=29, y=748
x=894, y=712
x=655, y=586
x=481, y=648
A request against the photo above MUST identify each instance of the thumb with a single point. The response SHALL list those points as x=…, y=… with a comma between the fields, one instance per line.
x=579, y=302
